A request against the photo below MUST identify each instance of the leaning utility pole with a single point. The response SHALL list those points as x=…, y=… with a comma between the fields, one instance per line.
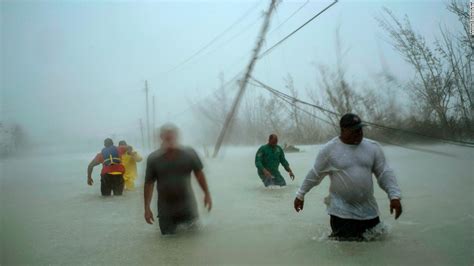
x=147, y=116
x=243, y=83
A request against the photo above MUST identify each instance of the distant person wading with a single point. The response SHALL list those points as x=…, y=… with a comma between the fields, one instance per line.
x=170, y=167
x=129, y=161
x=350, y=160
x=267, y=161
x=112, y=169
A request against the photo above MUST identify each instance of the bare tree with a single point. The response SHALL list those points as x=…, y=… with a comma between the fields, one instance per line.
x=294, y=111
x=457, y=50
x=212, y=112
x=442, y=88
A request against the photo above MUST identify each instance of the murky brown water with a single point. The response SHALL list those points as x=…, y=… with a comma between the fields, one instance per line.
x=50, y=216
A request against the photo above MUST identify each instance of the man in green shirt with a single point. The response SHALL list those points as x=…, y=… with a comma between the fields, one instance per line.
x=267, y=160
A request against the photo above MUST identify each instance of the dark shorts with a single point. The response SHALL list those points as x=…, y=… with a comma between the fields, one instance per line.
x=169, y=224
x=349, y=229
x=109, y=183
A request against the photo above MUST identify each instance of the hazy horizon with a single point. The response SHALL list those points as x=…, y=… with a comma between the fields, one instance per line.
x=75, y=70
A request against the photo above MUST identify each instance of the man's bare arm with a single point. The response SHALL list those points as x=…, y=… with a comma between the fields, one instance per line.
x=201, y=178
x=90, y=167
x=148, y=195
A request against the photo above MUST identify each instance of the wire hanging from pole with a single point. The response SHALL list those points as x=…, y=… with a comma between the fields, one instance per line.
x=293, y=99
x=296, y=30
x=246, y=78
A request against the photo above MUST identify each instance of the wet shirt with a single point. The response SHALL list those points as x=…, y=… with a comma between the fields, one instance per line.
x=173, y=177
x=350, y=168
x=114, y=169
x=270, y=157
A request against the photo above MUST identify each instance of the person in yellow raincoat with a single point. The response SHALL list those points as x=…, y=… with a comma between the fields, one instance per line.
x=129, y=160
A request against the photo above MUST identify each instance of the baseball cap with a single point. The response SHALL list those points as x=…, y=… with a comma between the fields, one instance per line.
x=351, y=121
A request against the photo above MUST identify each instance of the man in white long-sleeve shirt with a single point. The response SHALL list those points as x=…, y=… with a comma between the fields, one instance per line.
x=350, y=160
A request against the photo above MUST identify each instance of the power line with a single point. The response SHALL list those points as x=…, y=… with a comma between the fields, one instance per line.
x=457, y=142
x=451, y=141
x=273, y=30
x=296, y=30
x=267, y=87
x=275, y=45
x=213, y=40
x=224, y=86
x=331, y=124
x=379, y=140
x=246, y=78
x=229, y=41
x=289, y=17
x=297, y=107
x=245, y=29
x=283, y=23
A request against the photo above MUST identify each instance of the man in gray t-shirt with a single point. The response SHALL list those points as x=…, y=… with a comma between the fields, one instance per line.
x=171, y=167
x=350, y=161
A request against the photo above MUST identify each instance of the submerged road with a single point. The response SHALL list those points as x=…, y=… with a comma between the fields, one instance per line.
x=50, y=216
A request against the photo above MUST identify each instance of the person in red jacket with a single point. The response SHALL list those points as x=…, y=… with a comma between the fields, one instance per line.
x=112, y=169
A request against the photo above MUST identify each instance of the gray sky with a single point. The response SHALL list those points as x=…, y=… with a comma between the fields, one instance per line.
x=75, y=69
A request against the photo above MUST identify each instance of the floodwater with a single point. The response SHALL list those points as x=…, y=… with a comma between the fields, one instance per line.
x=50, y=216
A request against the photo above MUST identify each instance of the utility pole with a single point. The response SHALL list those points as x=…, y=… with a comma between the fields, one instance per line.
x=141, y=131
x=147, y=116
x=248, y=73
x=153, y=119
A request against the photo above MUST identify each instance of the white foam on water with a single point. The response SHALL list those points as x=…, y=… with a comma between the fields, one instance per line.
x=379, y=232
x=275, y=187
x=322, y=234
x=188, y=227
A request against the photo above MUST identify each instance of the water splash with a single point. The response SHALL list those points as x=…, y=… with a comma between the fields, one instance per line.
x=275, y=187
x=377, y=233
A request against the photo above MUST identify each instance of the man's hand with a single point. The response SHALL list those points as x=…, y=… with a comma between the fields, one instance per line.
x=267, y=173
x=208, y=202
x=298, y=205
x=90, y=182
x=397, y=206
x=149, y=216
x=292, y=176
